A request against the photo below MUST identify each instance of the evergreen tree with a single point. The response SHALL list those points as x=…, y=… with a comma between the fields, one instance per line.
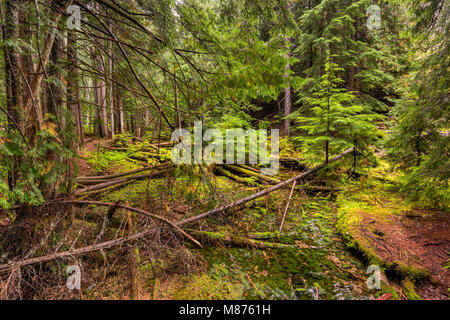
x=335, y=122
x=420, y=142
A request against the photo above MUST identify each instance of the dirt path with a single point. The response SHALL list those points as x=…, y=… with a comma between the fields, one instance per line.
x=418, y=239
x=429, y=238
x=89, y=146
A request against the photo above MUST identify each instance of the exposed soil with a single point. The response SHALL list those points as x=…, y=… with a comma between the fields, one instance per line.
x=89, y=146
x=418, y=239
x=429, y=237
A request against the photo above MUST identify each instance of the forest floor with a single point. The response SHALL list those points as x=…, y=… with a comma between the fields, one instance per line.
x=330, y=240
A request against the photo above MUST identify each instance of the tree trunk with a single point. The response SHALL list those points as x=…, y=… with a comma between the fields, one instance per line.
x=121, y=114
x=14, y=83
x=111, y=90
x=73, y=94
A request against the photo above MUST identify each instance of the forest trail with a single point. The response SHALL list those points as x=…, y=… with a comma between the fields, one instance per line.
x=89, y=146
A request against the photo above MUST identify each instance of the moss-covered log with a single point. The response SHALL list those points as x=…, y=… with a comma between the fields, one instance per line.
x=250, y=173
x=106, y=184
x=122, y=174
x=234, y=240
x=248, y=181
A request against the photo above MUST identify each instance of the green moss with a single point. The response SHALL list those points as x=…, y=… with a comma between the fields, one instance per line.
x=299, y=272
x=386, y=288
x=409, y=290
x=107, y=160
x=404, y=271
x=207, y=287
x=372, y=199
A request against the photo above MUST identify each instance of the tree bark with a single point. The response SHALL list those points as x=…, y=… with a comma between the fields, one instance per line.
x=73, y=93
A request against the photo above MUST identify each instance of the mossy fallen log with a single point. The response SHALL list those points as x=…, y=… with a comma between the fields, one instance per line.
x=244, y=166
x=88, y=179
x=250, y=173
x=318, y=188
x=107, y=184
x=144, y=156
x=248, y=181
x=234, y=240
x=86, y=195
x=262, y=193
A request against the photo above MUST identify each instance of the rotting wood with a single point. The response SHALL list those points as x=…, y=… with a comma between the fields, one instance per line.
x=261, y=193
x=105, y=184
x=228, y=174
x=250, y=173
x=237, y=241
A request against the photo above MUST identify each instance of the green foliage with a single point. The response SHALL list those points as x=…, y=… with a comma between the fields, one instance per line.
x=334, y=122
x=122, y=140
x=420, y=139
x=105, y=159
x=39, y=170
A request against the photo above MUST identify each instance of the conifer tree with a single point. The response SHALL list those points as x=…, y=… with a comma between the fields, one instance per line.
x=334, y=122
x=420, y=141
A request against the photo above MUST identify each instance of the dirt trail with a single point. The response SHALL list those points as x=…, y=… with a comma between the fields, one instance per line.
x=429, y=239
x=89, y=146
x=418, y=239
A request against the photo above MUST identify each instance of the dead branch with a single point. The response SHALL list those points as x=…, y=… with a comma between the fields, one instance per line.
x=140, y=211
x=287, y=205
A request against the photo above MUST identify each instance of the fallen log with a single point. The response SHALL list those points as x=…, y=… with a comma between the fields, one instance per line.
x=249, y=168
x=100, y=186
x=237, y=241
x=228, y=174
x=103, y=185
x=250, y=173
x=144, y=156
x=289, y=159
x=263, y=192
x=123, y=174
x=106, y=189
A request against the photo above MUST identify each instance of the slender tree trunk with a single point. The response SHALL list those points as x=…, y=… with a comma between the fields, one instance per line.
x=287, y=90
x=121, y=114
x=14, y=83
x=54, y=90
x=102, y=96
x=97, y=125
x=73, y=94
x=111, y=89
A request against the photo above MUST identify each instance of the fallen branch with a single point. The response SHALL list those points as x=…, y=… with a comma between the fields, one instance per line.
x=287, y=205
x=104, y=184
x=140, y=211
x=263, y=192
x=79, y=251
